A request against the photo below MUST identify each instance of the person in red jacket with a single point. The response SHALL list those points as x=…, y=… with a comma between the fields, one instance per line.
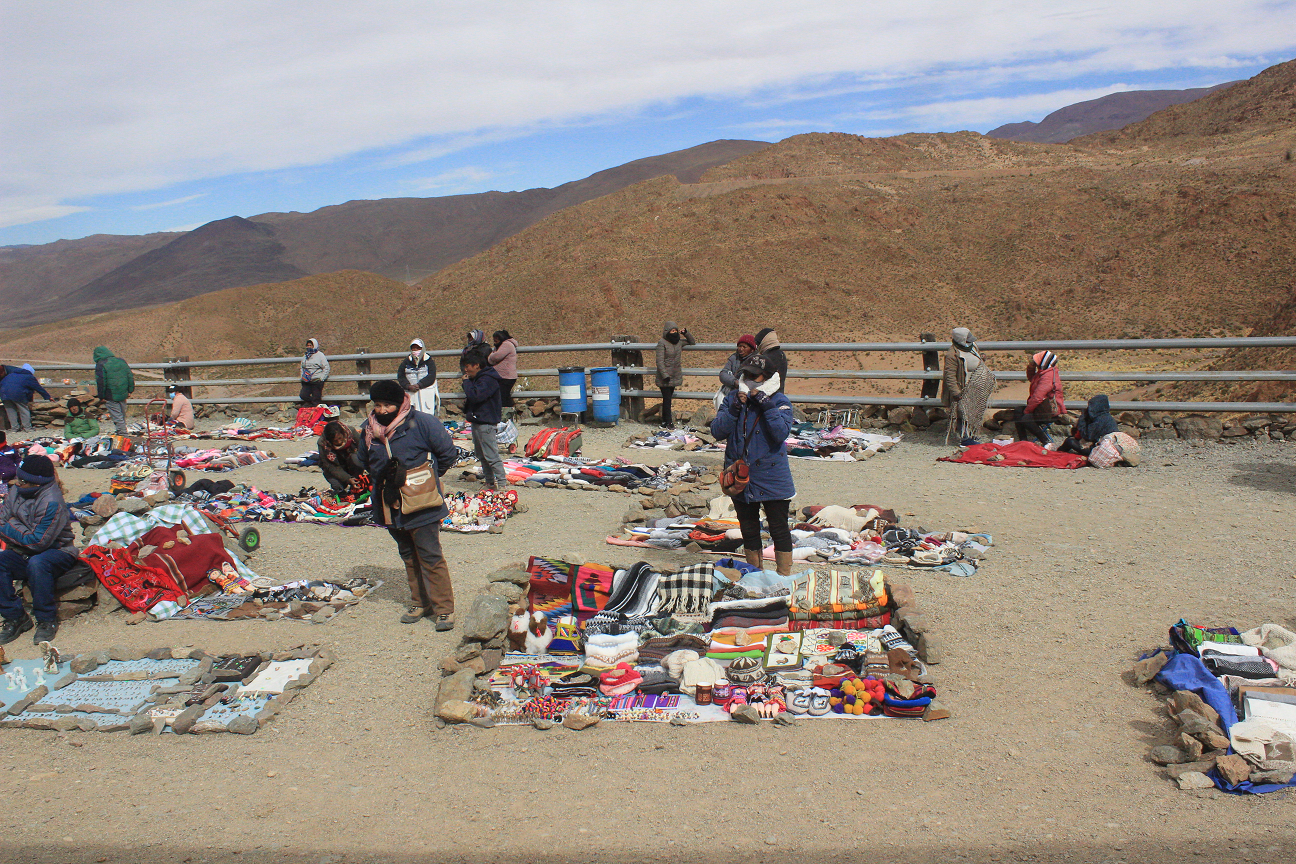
x=1046, y=401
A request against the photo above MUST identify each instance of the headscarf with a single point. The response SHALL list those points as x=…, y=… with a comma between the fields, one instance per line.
x=312, y=345
x=375, y=431
x=29, y=368
x=476, y=337
x=965, y=345
x=767, y=339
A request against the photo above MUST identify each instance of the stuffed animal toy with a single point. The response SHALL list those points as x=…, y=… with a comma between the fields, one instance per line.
x=517, y=631
x=538, y=634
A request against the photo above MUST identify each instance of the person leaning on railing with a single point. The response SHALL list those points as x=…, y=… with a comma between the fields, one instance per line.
x=314, y=372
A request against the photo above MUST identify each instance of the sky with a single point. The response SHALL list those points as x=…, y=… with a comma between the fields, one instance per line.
x=140, y=116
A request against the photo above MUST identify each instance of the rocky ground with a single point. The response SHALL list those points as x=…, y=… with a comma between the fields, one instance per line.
x=1045, y=758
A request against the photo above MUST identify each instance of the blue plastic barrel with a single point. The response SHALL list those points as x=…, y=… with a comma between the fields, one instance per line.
x=607, y=394
x=571, y=389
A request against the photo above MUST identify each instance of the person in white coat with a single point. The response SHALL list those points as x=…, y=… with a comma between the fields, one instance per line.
x=314, y=372
x=418, y=376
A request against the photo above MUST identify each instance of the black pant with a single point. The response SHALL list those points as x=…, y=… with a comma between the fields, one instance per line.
x=1028, y=424
x=776, y=514
x=506, y=392
x=668, y=419
x=1072, y=445
x=312, y=393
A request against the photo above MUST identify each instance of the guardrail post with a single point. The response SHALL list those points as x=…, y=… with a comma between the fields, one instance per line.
x=178, y=373
x=631, y=406
x=931, y=363
x=363, y=368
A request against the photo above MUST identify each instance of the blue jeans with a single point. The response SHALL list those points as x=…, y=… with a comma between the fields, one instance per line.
x=40, y=571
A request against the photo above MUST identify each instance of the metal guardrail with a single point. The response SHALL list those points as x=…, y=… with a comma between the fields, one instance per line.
x=178, y=372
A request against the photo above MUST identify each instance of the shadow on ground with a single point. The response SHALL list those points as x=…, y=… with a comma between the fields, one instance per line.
x=1266, y=476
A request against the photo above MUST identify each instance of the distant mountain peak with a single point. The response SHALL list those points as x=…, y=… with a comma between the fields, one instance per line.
x=1103, y=114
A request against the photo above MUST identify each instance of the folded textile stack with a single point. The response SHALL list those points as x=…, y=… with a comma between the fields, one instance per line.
x=839, y=599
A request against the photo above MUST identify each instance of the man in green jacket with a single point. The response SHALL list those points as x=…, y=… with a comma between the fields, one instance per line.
x=114, y=382
x=79, y=424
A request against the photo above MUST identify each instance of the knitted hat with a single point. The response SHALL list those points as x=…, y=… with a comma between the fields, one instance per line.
x=756, y=366
x=386, y=391
x=745, y=670
x=37, y=470
x=674, y=662
x=748, y=340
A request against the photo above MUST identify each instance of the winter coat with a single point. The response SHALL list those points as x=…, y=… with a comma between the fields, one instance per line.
x=114, y=380
x=1096, y=420
x=18, y=385
x=504, y=359
x=482, y=399
x=670, y=372
x=766, y=455
x=729, y=374
x=314, y=366
x=10, y=458
x=81, y=426
x=39, y=523
x=419, y=438
x=1046, y=400
x=768, y=345
x=339, y=470
x=425, y=369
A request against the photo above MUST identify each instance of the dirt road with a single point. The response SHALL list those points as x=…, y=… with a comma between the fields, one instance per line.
x=1044, y=759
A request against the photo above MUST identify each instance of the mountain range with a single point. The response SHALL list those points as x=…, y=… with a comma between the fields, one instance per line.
x=1100, y=115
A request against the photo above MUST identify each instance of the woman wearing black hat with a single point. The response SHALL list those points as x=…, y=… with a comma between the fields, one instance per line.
x=36, y=547
x=754, y=421
x=400, y=447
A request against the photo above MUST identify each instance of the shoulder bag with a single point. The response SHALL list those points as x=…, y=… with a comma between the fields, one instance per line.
x=420, y=488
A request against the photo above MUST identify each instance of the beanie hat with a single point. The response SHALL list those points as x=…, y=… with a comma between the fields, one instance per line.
x=745, y=670
x=674, y=662
x=37, y=470
x=386, y=391
x=748, y=340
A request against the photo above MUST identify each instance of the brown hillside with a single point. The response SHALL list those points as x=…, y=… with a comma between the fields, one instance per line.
x=30, y=275
x=1113, y=111
x=1266, y=102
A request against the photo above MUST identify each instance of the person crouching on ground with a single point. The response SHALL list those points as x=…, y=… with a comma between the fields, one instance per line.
x=339, y=456
x=754, y=421
x=38, y=548
x=1095, y=422
x=79, y=423
x=181, y=409
x=398, y=439
x=1045, y=402
x=670, y=372
x=481, y=388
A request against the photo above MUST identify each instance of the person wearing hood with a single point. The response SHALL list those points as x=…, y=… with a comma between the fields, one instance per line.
x=1095, y=422
x=729, y=374
x=36, y=530
x=1046, y=401
x=482, y=388
x=670, y=372
x=966, y=386
x=767, y=343
x=314, y=372
x=339, y=455
x=17, y=386
x=504, y=359
x=754, y=421
x=397, y=444
x=473, y=340
x=114, y=382
x=418, y=375
x=79, y=423
x=181, y=408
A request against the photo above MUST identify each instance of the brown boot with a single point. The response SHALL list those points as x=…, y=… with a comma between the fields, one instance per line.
x=419, y=605
x=783, y=563
x=753, y=557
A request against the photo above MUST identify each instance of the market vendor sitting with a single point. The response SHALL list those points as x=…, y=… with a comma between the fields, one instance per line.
x=182, y=415
x=79, y=423
x=339, y=456
x=38, y=548
x=1094, y=424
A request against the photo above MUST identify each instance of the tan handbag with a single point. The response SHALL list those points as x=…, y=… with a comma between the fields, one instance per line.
x=421, y=489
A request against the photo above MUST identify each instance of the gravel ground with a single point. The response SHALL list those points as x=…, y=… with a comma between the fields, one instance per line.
x=1044, y=759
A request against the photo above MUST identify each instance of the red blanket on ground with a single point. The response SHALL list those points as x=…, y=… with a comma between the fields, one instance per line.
x=1020, y=454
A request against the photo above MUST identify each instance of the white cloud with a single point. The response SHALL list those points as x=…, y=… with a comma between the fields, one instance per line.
x=181, y=229
x=458, y=178
x=118, y=98
x=173, y=202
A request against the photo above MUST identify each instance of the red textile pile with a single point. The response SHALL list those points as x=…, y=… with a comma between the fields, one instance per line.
x=1020, y=454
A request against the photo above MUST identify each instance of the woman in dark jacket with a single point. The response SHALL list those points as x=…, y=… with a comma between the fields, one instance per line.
x=670, y=372
x=754, y=421
x=1094, y=423
x=339, y=455
x=413, y=439
x=767, y=342
x=418, y=375
x=729, y=374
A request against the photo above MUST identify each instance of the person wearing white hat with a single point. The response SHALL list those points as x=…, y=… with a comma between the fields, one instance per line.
x=418, y=377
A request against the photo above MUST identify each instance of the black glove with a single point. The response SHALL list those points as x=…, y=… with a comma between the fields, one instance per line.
x=760, y=397
x=736, y=407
